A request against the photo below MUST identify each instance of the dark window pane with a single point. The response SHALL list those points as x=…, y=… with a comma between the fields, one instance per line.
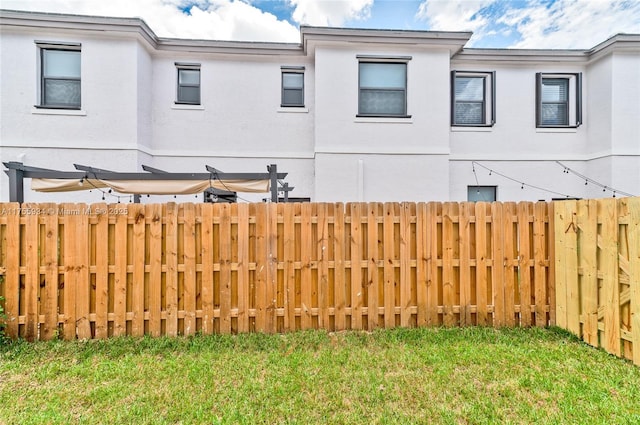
x=481, y=193
x=189, y=94
x=555, y=114
x=469, y=113
x=62, y=92
x=382, y=102
x=292, y=97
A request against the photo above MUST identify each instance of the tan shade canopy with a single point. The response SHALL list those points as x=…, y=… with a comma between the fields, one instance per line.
x=150, y=187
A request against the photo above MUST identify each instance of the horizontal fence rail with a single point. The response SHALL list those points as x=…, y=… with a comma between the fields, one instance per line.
x=598, y=273
x=95, y=271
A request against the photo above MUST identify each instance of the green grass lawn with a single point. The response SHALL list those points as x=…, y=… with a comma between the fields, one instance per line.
x=449, y=376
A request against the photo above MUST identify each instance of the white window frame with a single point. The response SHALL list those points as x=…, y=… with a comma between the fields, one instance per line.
x=43, y=47
x=188, y=67
x=488, y=100
x=574, y=99
x=403, y=60
x=291, y=70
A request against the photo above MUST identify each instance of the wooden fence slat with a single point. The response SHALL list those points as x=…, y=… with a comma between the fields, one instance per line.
x=120, y=272
x=272, y=269
x=422, y=258
x=434, y=212
x=32, y=274
x=405, y=264
x=552, y=264
x=482, y=300
x=624, y=276
x=449, y=211
x=467, y=210
x=305, y=259
x=83, y=295
x=206, y=211
x=389, y=301
x=540, y=268
x=50, y=295
x=225, y=267
x=609, y=268
x=261, y=267
x=510, y=261
x=524, y=254
x=153, y=214
x=322, y=230
x=136, y=214
x=357, y=290
x=634, y=281
x=70, y=275
x=587, y=219
x=498, y=223
x=12, y=276
x=562, y=220
x=100, y=212
x=571, y=280
x=243, y=267
x=289, y=274
x=372, y=269
x=171, y=276
x=189, y=261
x=340, y=290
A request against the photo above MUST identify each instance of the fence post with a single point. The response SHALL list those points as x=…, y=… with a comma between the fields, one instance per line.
x=634, y=268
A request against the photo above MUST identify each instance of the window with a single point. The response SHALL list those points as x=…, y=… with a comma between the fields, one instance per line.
x=481, y=193
x=292, y=87
x=382, y=87
x=559, y=100
x=188, y=84
x=59, y=75
x=473, y=98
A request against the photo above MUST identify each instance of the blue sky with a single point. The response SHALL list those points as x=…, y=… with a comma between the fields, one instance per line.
x=559, y=24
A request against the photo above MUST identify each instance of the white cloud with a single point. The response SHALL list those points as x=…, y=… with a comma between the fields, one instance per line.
x=572, y=23
x=559, y=24
x=453, y=15
x=208, y=19
x=456, y=15
x=329, y=12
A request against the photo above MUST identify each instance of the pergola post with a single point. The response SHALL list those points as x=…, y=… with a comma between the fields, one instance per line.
x=16, y=184
x=273, y=176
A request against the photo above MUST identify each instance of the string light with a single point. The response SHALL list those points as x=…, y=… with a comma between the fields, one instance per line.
x=588, y=180
x=520, y=182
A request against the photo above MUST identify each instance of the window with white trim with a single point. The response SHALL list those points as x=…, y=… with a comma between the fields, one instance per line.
x=382, y=90
x=558, y=100
x=473, y=98
x=60, y=75
x=188, y=92
x=292, y=87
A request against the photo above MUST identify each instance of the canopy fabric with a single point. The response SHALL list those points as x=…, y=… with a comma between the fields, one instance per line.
x=150, y=187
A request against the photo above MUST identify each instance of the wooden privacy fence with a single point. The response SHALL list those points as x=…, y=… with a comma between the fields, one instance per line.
x=598, y=273
x=80, y=271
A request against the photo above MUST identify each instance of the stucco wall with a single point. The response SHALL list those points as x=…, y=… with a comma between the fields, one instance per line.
x=129, y=117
